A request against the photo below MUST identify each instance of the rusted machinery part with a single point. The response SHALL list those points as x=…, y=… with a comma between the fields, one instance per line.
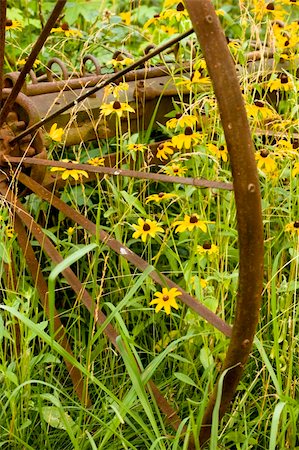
x=61, y=65
x=247, y=196
x=198, y=182
x=113, y=78
x=3, y=5
x=95, y=63
x=22, y=115
x=78, y=288
x=31, y=59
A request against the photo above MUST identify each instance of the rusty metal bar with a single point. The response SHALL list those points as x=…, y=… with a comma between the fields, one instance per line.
x=198, y=182
x=42, y=288
x=125, y=252
x=3, y=5
x=31, y=58
x=113, y=78
x=247, y=195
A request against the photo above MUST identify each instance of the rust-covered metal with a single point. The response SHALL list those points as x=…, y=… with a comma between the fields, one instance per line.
x=247, y=195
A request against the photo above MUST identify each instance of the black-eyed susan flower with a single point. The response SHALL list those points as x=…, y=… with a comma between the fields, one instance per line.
x=76, y=174
x=195, y=280
x=158, y=198
x=13, y=25
x=293, y=227
x=56, y=133
x=96, y=161
x=284, y=147
x=126, y=17
x=152, y=21
x=146, y=228
x=67, y=31
x=262, y=9
x=196, y=79
x=116, y=89
x=208, y=249
x=220, y=152
x=120, y=62
x=181, y=121
x=178, y=14
x=166, y=299
x=186, y=139
x=285, y=37
x=117, y=108
x=259, y=111
x=295, y=170
x=265, y=161
x=22, y=62
x=280, y=83
x=137, y=147
x=189, y=223
x=164, y=150
x=175, y=170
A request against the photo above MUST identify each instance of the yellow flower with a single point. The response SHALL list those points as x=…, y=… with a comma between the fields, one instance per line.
x=159, y=197
x=282, y=83
x=221, y=151
x=116, y=89
x=264, y=161
x=208, y=249
x=189, y=223
x=116, y=107
x=146, y=228
x=97, y=161
x=153, y=21
x=22, y=62
x=258, y=111
x=70, y=231
x=68, y=32
x=181, y=121
x=267, y=9
x=196, y=78
x=195, y=279
x=13, y=25
x=293, y=227
x=137, y=147
x=166, y=299
x=9, y=231
x=284, y=147
x=74, y=173
x=164, y=150
x=285, y=37
x=295, y=170
x=175, y=170
x=178, y=14
x=126, y=17
x=56, y=133
x=186, y=139
x=120, y=61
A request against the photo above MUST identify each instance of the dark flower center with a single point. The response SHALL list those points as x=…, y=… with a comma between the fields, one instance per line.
x=259, y=104
x=116, y=105
x=207, y=246
x=296, y=224
x=221, y=148
x=188, y=131
x=8, y=23
x=287, y=42
x=193, y=219
x=180, y=7
x=161, y=194
x=65, y=26
x=156, y=16
x=284, y=78
x=264, y=153
x=175, y=169
x=270, y=6
x=165, y=298
x=146, y=227
x=178, y=115
x=293, y=1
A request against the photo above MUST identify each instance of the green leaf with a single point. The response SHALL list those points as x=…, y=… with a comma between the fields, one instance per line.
x=56, y=418
x=185, y=378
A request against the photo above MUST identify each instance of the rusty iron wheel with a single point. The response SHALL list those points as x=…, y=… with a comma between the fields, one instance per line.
x=26, y=127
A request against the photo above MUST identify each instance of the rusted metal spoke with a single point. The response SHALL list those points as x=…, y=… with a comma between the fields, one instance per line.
x=78, y=288
x=247, y=195
x=2, y=42
x=116, y=77
x=125, y=252
x=42, y=288
x=31, y=58
x=125, y=173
